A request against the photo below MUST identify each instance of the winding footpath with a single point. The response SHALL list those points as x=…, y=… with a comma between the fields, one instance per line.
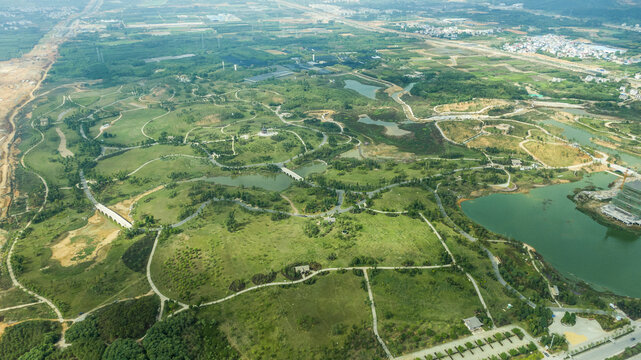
x=374, y=317
x=162, y=297
x=14, y=279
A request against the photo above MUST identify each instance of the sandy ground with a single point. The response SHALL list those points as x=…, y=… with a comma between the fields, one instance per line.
x=469, y=106
x=100, y=231
x=125, y=207
x=274, y=52
x=564, y=117
x=209, y=120
x=518, y=32
x=384, y=151
x=325, y=116
x=584, y=331
x=291, y=203
x=393, y=89
x=62, y=147
x=19, y=79
x=158, y=93
x=556, y=155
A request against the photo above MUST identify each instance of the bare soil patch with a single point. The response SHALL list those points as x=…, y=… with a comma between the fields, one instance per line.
x=62, y=147
x=156, y=95
x=471, y=106
x=274, y=52
x=209, y=120
x=385, y=151
x=557, y=155
x=90, y=242
x=125, y=207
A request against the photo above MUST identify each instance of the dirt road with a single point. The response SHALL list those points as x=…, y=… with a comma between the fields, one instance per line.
x=19, y=80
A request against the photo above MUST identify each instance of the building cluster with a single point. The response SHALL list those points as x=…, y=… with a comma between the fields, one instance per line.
x=333, y=9
x=446, y=32
x=223, y=18
x=636, y=27
x=503, y=6
x=16, y=25
x=340, y=11
x=341, y=1
x=626, y=204
x=596, y=79
x=631, y=93
x=22, y=18
x=561, y=46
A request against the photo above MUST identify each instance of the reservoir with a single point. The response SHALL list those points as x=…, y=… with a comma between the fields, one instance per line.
x=571, y=241
x=365, y=90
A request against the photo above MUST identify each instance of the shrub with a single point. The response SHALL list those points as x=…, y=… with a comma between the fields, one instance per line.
x=237, y=285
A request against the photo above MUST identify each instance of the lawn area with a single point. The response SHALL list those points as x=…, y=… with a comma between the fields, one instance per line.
x=400, y=197
x=541, y=136
x=387, y=173
x=501, y=142
x=132, y=159
x=184, y=118
x=557, y=155
x=127, y=130
x=516, y=128
x=460, y=131
x=310, y=200
x=14, y=296
x=422, y=308
x=82, y=286
x=175, y=168
x=39, y=311
x=259, y=149
x=45, y=158
x=262, y=245
x=328, y=319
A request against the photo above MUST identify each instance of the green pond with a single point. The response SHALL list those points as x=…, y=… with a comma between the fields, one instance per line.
x=276, y=182
x=363, y=89
x=583, y=137
x=391, y=128
x=606, y=257
x=313, y=168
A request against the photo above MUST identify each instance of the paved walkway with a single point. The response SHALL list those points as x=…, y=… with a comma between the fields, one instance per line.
x=495, y=264
x=612, y=348
x=102, y=208
x=478, y=353
x=374, y=317
x=162, y=297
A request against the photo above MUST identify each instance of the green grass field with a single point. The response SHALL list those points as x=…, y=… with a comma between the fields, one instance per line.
x=400, y=197
x=132, y=159
x=417, y=310
x=262, y=245
x=327, y=319
x=80, y=287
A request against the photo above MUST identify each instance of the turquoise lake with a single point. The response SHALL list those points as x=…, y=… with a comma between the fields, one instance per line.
x=606, y=257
